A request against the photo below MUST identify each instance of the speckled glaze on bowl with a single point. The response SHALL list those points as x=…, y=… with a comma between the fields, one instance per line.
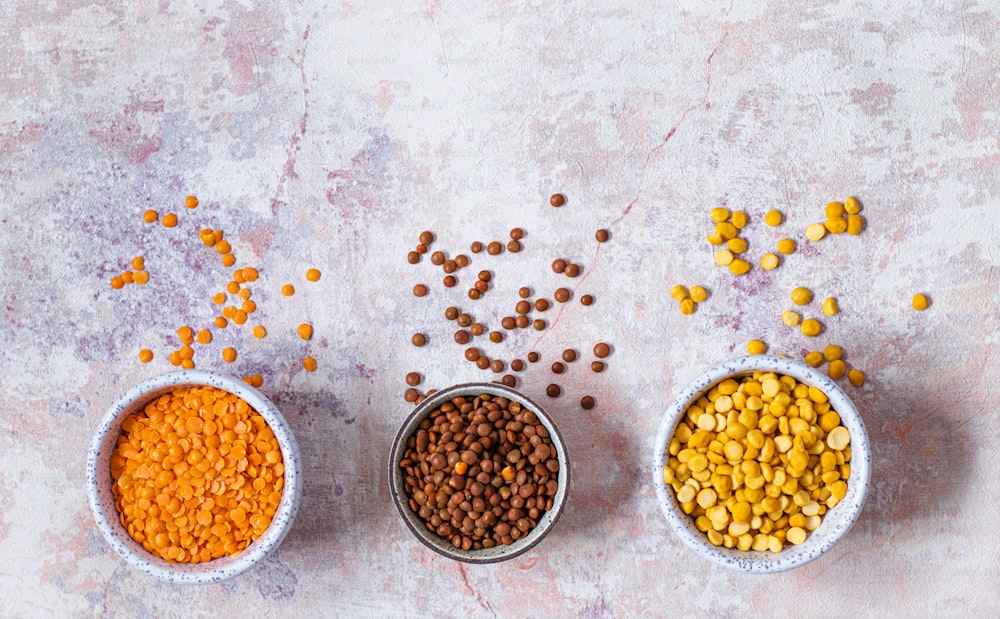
x=836, y=522
x=413, y=521
x=102, y=500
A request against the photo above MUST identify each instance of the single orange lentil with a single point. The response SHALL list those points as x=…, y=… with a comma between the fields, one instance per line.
x=219, y=298
x=239, y=317
x=185, y=334
x=138, y=263
x=228, y=260
x=309, y=364
x=288, y=290
x=117, y=282
x=305, y=331
x=186, y=352
x=221, y=322
x=169, y=220
x=257, y=380
x=259, y=332
x=191, y=202
x=251, y=274
x=145, y=355
x=229, y=311
x=187, y=364
x=313, y=275
x=233, y=287
x=127, y=277
x=229, y=354
x=249, y=306
x=207, y=237
x=223, y=247
x=175, y=358
x=140, y=277
x=238, y=276
x=244, y=293
x=150, y=216
x=204, y=336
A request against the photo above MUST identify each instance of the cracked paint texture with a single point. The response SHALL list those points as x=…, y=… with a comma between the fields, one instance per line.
x=329, y=135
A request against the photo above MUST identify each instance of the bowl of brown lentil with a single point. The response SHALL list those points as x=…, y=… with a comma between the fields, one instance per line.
x=479, y=473
x=194, y=477
x=761, y=464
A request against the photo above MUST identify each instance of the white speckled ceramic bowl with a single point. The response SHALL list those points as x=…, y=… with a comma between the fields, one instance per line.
x=102, y=500
x=413, y=521
x=837, y=520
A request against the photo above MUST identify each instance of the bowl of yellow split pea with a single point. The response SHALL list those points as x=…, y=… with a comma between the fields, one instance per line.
x=194, y=477
x=761, y=464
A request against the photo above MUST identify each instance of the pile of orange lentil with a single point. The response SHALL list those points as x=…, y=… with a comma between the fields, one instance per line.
x=238, y=311
x=196, y=475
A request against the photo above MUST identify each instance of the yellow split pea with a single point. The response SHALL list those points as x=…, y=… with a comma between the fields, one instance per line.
x=757, y=462
x=196, y=475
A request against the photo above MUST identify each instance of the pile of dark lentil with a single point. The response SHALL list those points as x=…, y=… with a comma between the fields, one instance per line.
x=480, y=472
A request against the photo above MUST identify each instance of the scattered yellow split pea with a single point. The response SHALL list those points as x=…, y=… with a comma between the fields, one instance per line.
x=773, y=218
x=719, y=214
x=790, y=318
x=852, y=206
x=723, y=257
x=679, y=293
x=769, y=262
x=786, y=246
x=814, y=359
x=836, y=225
x=687, y=306
x=811, y=327
x=830, y=307
x=815, y=232
x=698, y=294
x=756, y=347
x=801, y=296
x=739, y=219
x=313, y=275
x=837, y=369
x=832, y=352
x=856, y=377
x=737, y=245
x=920, y=302
x=739, y=267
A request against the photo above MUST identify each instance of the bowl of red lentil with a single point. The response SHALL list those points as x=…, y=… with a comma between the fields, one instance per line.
x=194, y=477
x=479, y=473
x=761, y=464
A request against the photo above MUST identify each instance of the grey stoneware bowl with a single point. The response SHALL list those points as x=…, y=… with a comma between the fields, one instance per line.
x=444, y=546
x=102, y=500
x=836, y=522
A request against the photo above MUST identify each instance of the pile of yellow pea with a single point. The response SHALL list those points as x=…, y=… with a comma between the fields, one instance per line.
x=196, y=475
x=758, y=462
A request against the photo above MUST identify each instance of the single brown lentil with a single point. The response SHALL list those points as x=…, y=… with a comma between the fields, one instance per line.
x=541, y=304
x=496, y=337
x=419, y=290
x=558, y=265
x=507, y=322
x=421, y=249
x=539, y=324
x=476, y=247
x=517, y=365
x=533, y=357
x=476, y=328
x=449, y=281
x=485, y=276
x=474, y=294
x=483, y=362
x=569, y=355
x=521, y=322
x=553, y=390
x=410, y=395
x=516, y=234
x=572, y=270
x=462, y=336
x=524, y=292
x=461, y=261
x=587, y=402
x=561, y=294
x=587, y=299
x=449, y=266
x=497, y=366
x=420, y=398
x=471, y=353
x=413, y=379
x=602, y=236
x=426, y=237
x=558, y=367
x=522, y=307
x=557, y=199
x=413, y=257
x=480, y=286
x=602, y=350
x=513, y=246
x=597, y=366
x=451, y=313
x=508, y=380
x=418, y=339
x=494, y=248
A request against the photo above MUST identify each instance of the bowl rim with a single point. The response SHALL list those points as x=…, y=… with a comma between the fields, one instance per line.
x=442, y=546
x=106, y=515
x=820, y=540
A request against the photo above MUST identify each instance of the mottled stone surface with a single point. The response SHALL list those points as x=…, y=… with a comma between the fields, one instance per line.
x=330, y=135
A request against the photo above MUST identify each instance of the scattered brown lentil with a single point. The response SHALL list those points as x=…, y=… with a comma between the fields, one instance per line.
x=602, y=236
x=421, y=249
x=474, y=294
x=533, y=357
x=517, y=365
x=513, y=246
x=418, y=339
x=562, y=295
x=494, y=248
x=464, y=320
x=462, y=336
x=508, y=380
x=572, y=270
x=587, y=299
x=497, y=366
x=602, y=350
x=476, y=247
x=476, y=329
x=541, y=304
x=539, y=324
x=597, y=366
x=413, y=379
x=507, y=322
x=480, y=286
x=437, y=258
x=483, y=362
x=558, y=367
x=553, y=390
x=461, y=261
x=496, y=337
x=485, y=276
x=413, y=257
x=587, y=402
x=449, y=281
x=557, y=199
x=558, y=265
x=522, y=307
x=426, y=237
x=516, y=234
x=524, y=292
x=410, y=395
x=472, y=353
x=451, y=313
x=449, y=266
x=522, y=322
x=419, y=290
x=569, y=355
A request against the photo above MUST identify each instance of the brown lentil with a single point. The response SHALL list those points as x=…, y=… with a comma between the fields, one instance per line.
x=597, y=366
x=516, y=234
x=602, y=350
x=508, y=322
x=413, y=379
x=479, y=489
x=513, y=246
x=562, y=295
x=419, y=290
x=496, y=337
x=558, y=367
x=461, y=261
x=437, y=258
x=533, y=357
x=421, y=249
x=476, y=247
x=419, y=339
x=522, y=322
x=517, y=365
x=449, y=281
x=471, y=354
x=410, y=395
x=569, y=355
x=451, y=313
x=553, y=390
x=587, y=402
x=524, y=292
x=413, y=257
x=539, y=324
x=557, y=199
x=485, y=276
x=508, y=380
x=426, y=237
x=464, y=320
x=476, y=329
x=572, y=270
x=483, y=362
x=449, y=266
x=522, y=307
x=558, y=265
x=602, y=236
x=541, y=304
x=474, y=294
x=497, y=365
x=462, y=336
x=480, y=286
x=494, y=248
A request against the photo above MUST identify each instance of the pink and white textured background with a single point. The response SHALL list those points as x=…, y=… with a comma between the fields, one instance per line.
x=329, y=135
